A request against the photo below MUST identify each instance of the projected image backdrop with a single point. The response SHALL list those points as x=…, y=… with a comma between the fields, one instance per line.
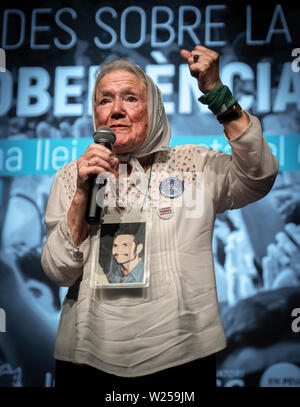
x=49, y=58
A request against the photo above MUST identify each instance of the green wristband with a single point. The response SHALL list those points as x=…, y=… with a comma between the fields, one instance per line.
x=219, y=99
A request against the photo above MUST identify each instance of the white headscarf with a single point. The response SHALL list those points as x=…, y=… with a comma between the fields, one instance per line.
x=159, y=132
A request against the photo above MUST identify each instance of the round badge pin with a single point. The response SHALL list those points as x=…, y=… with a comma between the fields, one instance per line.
x=171, y=187
x=165, y=211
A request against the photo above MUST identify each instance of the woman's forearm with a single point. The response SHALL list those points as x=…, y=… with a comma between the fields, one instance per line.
x=79, y=229
x=235, y=128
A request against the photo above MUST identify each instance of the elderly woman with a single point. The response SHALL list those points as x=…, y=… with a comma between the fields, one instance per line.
x=163, y=328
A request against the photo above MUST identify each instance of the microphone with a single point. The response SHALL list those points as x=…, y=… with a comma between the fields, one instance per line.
x=106, y=137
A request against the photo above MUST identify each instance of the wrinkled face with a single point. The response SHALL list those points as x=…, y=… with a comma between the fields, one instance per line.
x=124, y=249
x=122, y=104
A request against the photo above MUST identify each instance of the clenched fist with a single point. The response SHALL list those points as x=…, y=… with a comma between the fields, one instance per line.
x=205, y=69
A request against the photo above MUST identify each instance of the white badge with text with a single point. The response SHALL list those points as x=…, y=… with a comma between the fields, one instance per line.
x=165, y=211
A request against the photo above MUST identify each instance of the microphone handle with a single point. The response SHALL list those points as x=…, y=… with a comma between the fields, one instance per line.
x=93, y=210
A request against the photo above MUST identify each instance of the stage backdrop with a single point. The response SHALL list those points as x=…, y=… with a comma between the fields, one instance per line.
x=49, y=55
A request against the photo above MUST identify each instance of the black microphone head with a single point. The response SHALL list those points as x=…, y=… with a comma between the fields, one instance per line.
x=104, y=135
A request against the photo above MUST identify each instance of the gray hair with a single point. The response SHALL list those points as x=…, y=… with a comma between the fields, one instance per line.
x=117, y=65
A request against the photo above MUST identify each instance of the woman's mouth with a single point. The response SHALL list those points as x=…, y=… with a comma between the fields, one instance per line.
x=119, y=126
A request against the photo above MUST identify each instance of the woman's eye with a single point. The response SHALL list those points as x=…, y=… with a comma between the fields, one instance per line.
x=103, y=101
x=131, y=99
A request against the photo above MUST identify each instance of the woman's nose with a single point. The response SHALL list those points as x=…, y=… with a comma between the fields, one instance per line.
x=117, y=108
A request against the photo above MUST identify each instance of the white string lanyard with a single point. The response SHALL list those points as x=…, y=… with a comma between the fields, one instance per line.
x=146, y=193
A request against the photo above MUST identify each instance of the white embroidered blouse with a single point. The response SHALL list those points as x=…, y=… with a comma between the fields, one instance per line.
x=176, y=319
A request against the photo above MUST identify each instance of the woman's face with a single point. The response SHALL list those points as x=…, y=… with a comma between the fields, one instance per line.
x=122, y=104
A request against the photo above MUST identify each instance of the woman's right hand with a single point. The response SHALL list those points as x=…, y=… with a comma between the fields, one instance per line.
x=94, y=160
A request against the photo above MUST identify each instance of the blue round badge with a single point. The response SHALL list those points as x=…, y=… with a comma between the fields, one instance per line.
x=171, y=187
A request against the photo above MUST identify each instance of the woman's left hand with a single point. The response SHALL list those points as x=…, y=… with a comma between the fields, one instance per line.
x=205, y=69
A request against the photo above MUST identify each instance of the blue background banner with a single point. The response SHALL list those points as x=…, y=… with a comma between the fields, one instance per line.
x=46, y=156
